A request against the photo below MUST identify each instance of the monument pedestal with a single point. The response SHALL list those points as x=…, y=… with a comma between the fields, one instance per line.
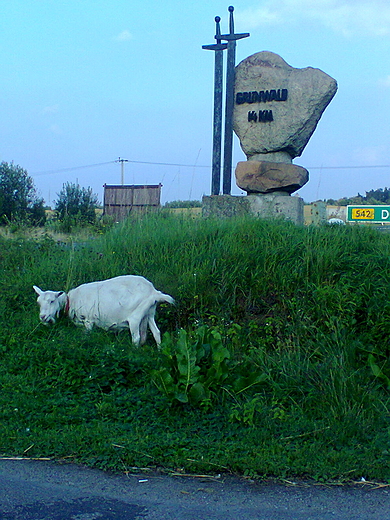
x=276, y=204
x=262, y=205
x=224, y=206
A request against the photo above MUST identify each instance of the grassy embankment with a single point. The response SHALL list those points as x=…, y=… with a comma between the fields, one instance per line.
x=274, y=360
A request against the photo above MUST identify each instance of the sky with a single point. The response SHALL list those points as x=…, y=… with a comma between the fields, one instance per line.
x=86, y=82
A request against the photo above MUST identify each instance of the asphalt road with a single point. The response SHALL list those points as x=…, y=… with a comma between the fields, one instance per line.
x=43, y=490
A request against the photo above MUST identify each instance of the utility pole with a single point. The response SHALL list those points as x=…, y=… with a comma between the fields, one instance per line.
x=122, y=161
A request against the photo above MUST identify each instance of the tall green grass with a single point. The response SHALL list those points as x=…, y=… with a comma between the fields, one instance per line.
x=300, y=320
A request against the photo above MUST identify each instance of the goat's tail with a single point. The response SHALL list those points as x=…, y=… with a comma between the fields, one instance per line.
x=161, y=297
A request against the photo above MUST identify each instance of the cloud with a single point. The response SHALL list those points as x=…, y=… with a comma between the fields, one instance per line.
x=123, y=36
x=346, y=17
x=385, y=82
x=50, y=109
x=55, y=129
x=252, y=18
x=371, y=155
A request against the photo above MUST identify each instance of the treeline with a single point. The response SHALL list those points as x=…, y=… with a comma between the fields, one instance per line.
x=379, y=196
x=21, y=204
x=183, y=204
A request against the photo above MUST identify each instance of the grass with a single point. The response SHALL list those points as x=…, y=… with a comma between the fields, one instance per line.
x=275, y=360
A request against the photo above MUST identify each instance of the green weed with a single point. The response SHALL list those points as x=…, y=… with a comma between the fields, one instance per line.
x=192, y=369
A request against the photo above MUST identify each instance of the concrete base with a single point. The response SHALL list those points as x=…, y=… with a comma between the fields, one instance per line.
x=269, y=205
x=274, y=205
x=224, y=206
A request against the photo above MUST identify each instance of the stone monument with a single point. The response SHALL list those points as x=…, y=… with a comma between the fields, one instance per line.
x=277, y=108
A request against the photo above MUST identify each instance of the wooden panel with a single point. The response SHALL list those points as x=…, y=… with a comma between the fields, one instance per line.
x=119, y=201
x=147, y=196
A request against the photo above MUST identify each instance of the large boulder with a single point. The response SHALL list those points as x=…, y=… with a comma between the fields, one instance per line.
x=268, y=177
x=277, y=107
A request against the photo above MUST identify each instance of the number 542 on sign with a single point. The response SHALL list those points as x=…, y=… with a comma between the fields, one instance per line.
x=363, y=213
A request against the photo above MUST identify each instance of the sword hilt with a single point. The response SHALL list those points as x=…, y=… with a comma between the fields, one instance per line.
x=231, y=20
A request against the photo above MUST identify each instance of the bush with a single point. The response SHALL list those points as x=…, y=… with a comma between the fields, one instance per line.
x=76, y=205
x=19, y=201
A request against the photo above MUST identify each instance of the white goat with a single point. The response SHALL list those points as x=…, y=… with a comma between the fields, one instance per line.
x=124, y=302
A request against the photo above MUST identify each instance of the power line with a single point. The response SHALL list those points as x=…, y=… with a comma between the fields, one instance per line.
x=48, y=172
x=62, y=170
x=171, y=164
x=347, y=167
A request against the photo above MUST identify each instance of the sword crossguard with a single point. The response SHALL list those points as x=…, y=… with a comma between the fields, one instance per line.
x=216, y=46
x=231, y=36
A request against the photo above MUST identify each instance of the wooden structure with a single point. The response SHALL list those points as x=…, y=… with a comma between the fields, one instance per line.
x=122, y=200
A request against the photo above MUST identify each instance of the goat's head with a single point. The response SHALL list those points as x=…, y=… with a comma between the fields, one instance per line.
x=50, y=303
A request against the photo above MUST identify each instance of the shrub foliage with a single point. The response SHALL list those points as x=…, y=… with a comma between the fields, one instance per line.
x=19, y=201
x=76, y=204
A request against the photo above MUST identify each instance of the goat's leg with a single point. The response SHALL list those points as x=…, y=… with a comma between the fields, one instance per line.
x=143, y=329
x=134, y=326
x=152, y=325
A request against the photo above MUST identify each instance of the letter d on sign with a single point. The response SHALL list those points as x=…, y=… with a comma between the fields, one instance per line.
x=385, y=214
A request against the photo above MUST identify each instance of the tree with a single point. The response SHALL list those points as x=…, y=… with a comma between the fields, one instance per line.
x=76, y=204
x=380, y=196
x=19, y=200
x=372, y=197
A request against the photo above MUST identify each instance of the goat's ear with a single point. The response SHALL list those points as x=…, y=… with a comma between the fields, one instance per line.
x=37, y=290
x=59, y=294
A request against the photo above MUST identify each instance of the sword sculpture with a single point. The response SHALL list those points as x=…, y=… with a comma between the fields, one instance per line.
x=217, y=122
x=229, y=105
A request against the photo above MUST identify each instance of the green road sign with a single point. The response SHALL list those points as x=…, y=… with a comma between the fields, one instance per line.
x=368, y=214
